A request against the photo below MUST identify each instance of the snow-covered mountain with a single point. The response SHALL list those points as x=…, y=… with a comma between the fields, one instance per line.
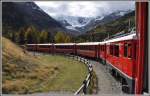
x=83, y=24
x=73, y=20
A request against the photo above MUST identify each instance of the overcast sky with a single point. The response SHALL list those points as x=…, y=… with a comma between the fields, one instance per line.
x=84, y=8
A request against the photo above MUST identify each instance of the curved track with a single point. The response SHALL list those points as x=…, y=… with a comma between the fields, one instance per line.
x=106, y=83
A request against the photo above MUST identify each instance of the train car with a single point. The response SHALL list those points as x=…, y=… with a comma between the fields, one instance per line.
x=46, y=48
x=88, y=49
x=120, y=56
x=67, y=48
x=31, y=47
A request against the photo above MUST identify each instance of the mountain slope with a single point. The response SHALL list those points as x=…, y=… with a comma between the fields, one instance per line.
x=84, y=24
x=23, y=14
x=102, y=31
x=17, y=65
x=101, y=20
x=24, y=73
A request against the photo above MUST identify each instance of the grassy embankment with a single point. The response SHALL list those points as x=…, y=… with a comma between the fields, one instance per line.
x=24, y=73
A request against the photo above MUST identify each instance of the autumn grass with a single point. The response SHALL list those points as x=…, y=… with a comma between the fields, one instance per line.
x=24, y=73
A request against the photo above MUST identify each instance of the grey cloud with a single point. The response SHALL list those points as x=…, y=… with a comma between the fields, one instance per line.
x=89, y=8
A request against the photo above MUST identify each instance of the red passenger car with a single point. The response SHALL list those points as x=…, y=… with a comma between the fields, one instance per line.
x=88, y=49
x=47, y=48
x=121, y=57
x=31, y=47
x=67, y=48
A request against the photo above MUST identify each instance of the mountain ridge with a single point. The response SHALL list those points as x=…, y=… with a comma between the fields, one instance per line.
x=84, y=24
x=28, y=14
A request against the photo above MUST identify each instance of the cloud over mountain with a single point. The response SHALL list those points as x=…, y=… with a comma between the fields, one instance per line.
x=84, y=8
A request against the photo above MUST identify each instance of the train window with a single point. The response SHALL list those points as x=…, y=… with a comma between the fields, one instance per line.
x=116, y=50
x=128, y=50
x=111, y=49
x=87, y=47
x=107, y=49
x=64, y=47
x=102, y=48
x=44, y=46
x=134, y=52
x=60, y=47
x=92, y=47
x=81, y=47
x=125, y=50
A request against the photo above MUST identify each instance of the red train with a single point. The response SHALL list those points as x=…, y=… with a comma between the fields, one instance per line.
x=125, y=56
x=119, y=54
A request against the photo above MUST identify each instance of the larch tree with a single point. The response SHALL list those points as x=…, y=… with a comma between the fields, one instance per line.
x=59, y=37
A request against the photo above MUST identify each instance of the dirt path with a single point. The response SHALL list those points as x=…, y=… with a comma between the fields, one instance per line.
x=106, y=83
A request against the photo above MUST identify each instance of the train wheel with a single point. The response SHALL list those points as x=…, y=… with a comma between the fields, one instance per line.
x=125, y=86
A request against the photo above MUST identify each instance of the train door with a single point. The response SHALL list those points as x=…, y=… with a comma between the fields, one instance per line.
x=105, y=53
x=96, y=50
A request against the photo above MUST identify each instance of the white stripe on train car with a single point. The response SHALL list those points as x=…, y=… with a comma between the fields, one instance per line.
x=128, y=37
x=64, y=43
x=89, y=43
x=41, y=44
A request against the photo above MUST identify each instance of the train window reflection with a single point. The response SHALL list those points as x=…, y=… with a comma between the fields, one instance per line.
x=111, y=49
x=127, y=50
x=116, y=50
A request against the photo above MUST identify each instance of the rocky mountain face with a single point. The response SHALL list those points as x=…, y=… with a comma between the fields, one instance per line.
x=102, y=30
x=23, y=14
x=73, y=23
x=84, y=24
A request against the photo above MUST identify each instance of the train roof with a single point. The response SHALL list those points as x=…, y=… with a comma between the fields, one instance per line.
x=64, y=43
x=123, y=38
x=88, y=43
x=41, y=44
x=128, y=37
x=54, y=44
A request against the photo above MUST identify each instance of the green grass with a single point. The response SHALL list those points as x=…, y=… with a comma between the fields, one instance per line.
x=24, y=73
x=70, y=77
